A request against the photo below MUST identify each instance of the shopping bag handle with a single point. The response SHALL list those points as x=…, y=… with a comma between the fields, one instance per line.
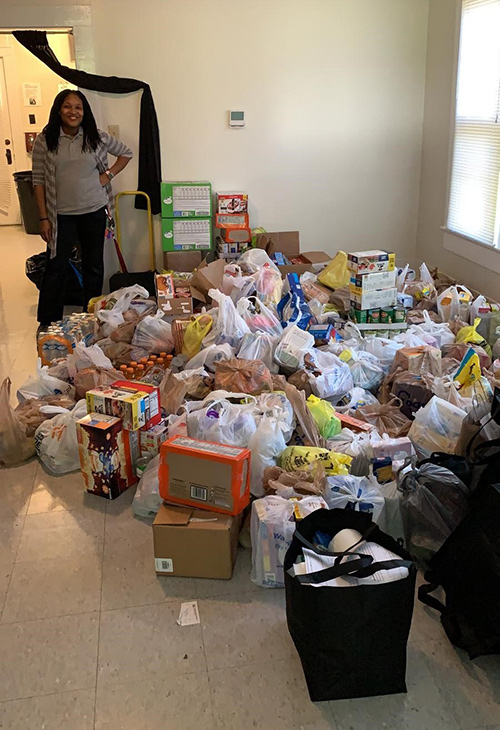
x=359, y=568
x=423, y=596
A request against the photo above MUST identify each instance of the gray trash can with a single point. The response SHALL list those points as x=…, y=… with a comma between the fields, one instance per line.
x=27, y=202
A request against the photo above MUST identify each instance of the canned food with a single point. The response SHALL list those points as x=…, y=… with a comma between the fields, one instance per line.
x=360, y=315
x=399, y=314
x=374, y=316
x=386, y=315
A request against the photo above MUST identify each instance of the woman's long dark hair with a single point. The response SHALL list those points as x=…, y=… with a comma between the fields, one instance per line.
x=91, y=137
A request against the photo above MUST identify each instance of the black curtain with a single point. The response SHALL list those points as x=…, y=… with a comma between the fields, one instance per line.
x=149, y=135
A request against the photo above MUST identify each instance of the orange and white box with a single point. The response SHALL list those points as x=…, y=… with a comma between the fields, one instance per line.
x=203, y=474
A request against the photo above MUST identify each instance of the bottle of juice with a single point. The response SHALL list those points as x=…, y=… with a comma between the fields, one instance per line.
x=129, y=373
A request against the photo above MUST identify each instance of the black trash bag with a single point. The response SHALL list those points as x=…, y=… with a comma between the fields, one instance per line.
x=433, y=503
x=468, y=568
x=35, y=269
x=351, y=640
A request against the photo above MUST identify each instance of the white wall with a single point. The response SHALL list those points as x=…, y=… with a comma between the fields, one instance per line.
x=437, y=141
x=333, y=95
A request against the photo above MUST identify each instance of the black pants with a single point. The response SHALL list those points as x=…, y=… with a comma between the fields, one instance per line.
x=87, y=231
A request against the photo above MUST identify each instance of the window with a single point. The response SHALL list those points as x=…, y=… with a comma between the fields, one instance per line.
x=474, y=207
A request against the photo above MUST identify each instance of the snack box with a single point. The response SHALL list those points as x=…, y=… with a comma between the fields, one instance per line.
x=153, y=412
x=355, y=424
x=169, y=299
x=236, y=234
x=365, y=262
x=129, y=405
x=189, y=199
x=374, y=299
x=108, y=454
x=206, y=475
x=322, y=333
x=232, y=202
x=360, y=284
x=151, y=439
x=231, y=220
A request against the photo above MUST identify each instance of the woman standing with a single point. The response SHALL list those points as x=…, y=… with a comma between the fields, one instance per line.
x=72, y=183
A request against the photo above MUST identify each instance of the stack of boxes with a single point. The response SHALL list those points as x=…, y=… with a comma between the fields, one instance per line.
x=123, y=423
x=186, y=216
x=206, y=487
x=232, y=220
x=372, y=288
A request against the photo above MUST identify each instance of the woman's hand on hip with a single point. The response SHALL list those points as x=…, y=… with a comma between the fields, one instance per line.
x=46, y=231
x=104, y=179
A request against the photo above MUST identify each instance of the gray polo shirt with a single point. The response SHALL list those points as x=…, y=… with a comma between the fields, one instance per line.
x=78, y=189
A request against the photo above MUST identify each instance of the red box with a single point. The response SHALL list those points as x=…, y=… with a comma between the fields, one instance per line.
x=153, y=410
x=212, y=476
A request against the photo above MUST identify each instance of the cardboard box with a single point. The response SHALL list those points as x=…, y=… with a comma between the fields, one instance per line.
x=371, y=282
x=186, y=234
x=152, y=414
x=374, y=299
x=186, y=199
x=150, y=440
x=184, y=261
x=195, y=543
x=365, y=262
x=231, y=220
x=167, y=301
x=207, y=276
x=130, y=407
x=205, y=474
x=288, y=243
x=108, y=455
x=232, y=202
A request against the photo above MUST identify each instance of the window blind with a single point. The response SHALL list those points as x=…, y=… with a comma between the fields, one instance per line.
x=474, y=206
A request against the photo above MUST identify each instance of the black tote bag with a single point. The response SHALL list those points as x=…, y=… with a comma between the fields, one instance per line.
x=467, y=566
x=351, y=640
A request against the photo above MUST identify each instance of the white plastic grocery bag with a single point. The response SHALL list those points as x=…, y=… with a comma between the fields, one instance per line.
x=209, y=356
x=154, y=334
x=230, y=326
x=255, y=346
x=222, y=422
x=358, y=493
x=266, y=445
x=436, y=427
x=115, y=304
x=272, y=527
x=56, y=440
x=334, y=379
x=43, y=384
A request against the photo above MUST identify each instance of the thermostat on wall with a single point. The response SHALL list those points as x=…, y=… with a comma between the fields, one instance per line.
x=236, y=118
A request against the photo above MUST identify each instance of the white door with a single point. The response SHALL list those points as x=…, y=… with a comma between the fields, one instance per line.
x=9, y=206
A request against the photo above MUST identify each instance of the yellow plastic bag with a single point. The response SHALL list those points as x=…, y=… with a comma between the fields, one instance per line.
x=197, y=329
x=470, y=336
x=469, y=371
x=324, y=417
x=296, y=458
x=336, y=274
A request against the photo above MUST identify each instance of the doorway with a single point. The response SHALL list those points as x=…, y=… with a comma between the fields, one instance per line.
x=27, y=89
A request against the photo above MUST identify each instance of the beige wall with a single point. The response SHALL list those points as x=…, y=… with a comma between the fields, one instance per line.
x=437, y=139
x=333, y=95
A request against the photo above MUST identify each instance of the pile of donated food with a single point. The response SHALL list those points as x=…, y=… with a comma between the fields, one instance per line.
x=325, y=403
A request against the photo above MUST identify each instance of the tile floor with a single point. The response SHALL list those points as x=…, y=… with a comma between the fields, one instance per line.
x=88, y=637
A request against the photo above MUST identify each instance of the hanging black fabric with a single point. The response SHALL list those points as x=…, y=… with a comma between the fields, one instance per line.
x=149, y=135
x=467, y=566
x=351, y=640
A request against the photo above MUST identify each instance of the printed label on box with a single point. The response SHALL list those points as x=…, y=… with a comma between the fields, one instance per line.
x=164, y=565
